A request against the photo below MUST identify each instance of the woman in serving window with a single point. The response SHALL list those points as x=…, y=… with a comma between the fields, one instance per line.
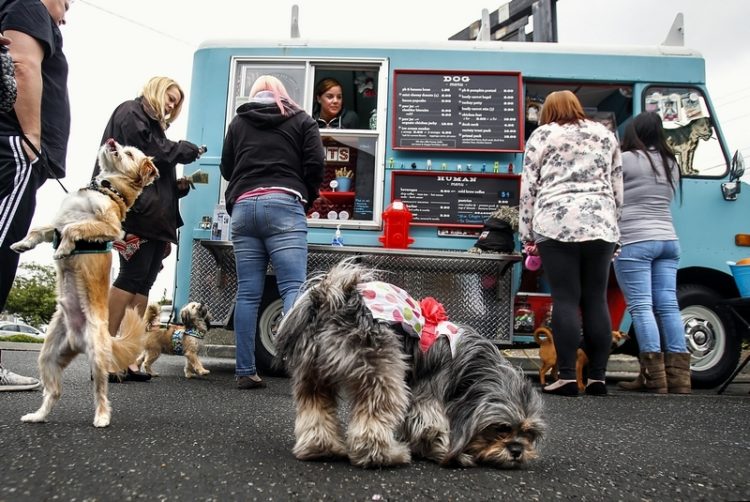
x=330, y=112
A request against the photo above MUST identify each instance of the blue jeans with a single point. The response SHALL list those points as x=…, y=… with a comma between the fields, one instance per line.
x=647, y=274
x=274, y=227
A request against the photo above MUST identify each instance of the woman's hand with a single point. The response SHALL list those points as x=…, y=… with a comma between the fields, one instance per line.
x=529, y=248
x=184, y=184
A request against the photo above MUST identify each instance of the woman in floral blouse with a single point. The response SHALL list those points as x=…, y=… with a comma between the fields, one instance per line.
x=571, y=193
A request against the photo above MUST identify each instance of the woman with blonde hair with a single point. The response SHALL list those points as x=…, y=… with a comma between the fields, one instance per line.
x=151, y=224
x=571, y=193
x=273, y=160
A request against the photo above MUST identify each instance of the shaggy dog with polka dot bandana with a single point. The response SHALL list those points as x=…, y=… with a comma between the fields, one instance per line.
x=416, y=383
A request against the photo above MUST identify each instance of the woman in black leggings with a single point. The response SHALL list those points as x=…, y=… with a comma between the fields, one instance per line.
x=571, y=193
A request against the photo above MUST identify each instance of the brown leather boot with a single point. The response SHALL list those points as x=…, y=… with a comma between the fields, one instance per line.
x=637, y=384
x=677, y=366
x=652, y=377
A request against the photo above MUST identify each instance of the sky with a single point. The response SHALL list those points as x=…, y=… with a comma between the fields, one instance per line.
x=114, y=46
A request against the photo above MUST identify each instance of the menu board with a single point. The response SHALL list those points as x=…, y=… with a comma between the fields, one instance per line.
x=448, y=199
x=459, y=111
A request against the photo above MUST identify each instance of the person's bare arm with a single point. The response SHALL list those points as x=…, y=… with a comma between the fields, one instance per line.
x=27, y=54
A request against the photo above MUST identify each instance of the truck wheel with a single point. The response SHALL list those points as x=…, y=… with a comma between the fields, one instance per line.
x=710, y=336
x=265, y=338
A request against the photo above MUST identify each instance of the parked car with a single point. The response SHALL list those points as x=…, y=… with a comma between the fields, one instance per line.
x=19, y=328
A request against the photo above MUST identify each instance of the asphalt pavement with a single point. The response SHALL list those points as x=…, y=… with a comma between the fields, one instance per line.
x=202, y=439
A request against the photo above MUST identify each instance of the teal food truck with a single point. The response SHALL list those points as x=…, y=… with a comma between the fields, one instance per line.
x=441, y=128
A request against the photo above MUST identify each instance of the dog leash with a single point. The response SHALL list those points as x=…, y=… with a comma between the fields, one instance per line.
x=533, y=361
x=40, y=159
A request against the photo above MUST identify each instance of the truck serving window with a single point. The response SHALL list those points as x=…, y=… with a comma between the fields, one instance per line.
x=689, y=128
x=611, y=105
x=351, y=192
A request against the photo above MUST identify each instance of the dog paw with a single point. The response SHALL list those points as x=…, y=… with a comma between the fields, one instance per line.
x=21, y=246
x=204, y=372
x=465, y=460
x=101, y=419
x=35, y=417
x=62, y=252
x=319, y=451
x=394, y=454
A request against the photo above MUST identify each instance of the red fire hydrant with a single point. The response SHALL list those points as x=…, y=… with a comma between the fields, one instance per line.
x=396, y=220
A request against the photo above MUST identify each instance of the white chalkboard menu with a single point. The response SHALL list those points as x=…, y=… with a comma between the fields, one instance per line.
x=458, y=111
x=450, y=199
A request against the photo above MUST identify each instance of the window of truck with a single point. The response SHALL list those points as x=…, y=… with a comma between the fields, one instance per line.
x=351, y=193
x=609, y=104
x=690, y=130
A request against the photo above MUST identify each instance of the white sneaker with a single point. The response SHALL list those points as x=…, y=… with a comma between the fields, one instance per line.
x=10, y=381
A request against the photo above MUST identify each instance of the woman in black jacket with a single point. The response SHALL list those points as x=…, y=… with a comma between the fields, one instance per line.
x=273, y=159
x=151, y=224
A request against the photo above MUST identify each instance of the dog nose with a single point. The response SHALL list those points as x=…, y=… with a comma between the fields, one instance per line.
x=515, y=449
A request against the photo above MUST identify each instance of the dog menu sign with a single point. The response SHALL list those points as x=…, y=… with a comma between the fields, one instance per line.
x=458, y=111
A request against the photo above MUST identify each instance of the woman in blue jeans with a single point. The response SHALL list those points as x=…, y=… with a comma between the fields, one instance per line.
x=273, y=159
x=646, y=267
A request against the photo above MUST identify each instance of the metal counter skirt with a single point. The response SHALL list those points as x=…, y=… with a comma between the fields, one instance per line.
x=475, y=289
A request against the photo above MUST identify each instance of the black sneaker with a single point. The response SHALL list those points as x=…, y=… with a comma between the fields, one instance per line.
x=246, y=382
x=137, y=376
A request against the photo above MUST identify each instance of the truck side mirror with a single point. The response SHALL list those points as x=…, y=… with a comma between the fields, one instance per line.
x=731, y=188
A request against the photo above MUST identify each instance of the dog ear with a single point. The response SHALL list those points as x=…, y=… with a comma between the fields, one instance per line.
x=148, y=171
x=205, y=314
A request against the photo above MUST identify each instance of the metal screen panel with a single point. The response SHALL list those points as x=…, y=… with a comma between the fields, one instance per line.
x=474, y=289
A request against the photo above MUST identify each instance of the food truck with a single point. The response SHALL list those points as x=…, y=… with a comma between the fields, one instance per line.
x=437, y=148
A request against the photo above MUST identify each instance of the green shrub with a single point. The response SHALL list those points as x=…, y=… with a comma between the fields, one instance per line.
x=21, y=339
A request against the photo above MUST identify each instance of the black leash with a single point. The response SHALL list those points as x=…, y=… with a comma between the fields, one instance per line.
x=40, y=159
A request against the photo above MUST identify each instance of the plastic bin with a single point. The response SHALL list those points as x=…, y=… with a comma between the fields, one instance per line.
x=741, y=274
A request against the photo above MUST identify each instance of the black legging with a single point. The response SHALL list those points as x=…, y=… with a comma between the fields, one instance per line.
x=577, y=273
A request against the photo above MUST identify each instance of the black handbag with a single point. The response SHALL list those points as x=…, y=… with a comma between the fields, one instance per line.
x=498, y=232
x=8, y=90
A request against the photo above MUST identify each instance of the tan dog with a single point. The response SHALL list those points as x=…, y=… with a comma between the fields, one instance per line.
x=548, y=355
x=185, y=339
x=88, y=221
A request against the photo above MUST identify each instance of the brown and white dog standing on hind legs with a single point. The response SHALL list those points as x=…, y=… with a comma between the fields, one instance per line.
x=458, y=402
x=86, y=224
x=185, y=339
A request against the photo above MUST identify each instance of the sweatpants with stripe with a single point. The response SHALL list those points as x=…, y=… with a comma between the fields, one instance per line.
x=19, y=181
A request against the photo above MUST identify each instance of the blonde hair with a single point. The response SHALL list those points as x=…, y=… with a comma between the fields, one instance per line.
x=562, y=107
x=274, y=86
x=155, y=95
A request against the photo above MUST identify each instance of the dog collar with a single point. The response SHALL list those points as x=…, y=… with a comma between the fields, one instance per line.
x=105, y=187
x=83, y=247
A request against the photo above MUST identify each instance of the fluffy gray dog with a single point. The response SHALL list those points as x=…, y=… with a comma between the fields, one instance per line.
x=456, y=402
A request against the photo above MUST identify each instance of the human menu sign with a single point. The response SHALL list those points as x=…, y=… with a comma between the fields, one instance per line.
x=446, y=199
x=457, y=111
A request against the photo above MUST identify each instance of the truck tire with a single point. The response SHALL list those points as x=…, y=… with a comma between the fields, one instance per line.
x=710, y=335
x=269, y=316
